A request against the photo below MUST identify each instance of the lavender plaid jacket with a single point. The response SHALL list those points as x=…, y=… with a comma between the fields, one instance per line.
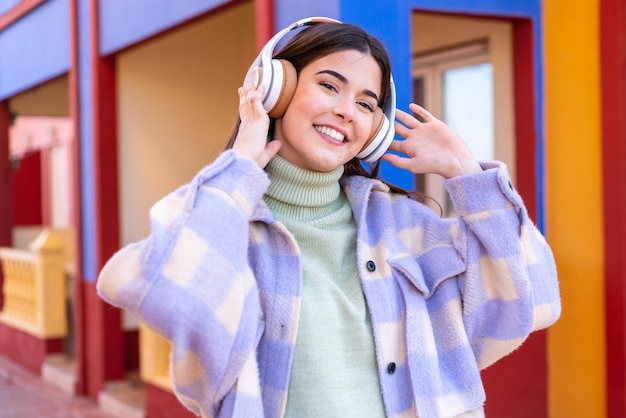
x=221, y=280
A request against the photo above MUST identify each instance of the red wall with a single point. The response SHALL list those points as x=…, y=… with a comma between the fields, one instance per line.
x=517, y=386
x=26, y=184
x=613, y=60
x=6, y=206
x=26, y=350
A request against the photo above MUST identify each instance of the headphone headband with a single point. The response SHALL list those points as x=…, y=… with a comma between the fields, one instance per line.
x=264, y=59
x=268, y=49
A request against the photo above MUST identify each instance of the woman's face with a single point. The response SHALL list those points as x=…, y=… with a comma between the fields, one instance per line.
x=332, y=112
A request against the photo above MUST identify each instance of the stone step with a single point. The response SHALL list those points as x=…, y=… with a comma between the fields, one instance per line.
x=59, y=371
x=124, y=399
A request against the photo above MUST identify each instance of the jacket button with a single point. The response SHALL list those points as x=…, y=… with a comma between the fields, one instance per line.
x=391, y=368
x=371, y=266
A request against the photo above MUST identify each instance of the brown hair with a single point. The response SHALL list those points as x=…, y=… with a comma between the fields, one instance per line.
x=322, y=39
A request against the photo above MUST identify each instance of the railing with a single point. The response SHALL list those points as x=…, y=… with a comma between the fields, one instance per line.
x=34, y=287
x=34, y=291
x=154, y=352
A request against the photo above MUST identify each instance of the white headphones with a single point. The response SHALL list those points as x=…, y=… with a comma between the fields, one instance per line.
x=279, y=79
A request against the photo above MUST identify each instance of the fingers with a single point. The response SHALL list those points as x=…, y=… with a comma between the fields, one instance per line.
x=398, y=161
x=421, y=112
x=411, y=121
x=406, y=122
x=401, y=130
x=271, y=149
x=251, y=140
x=406, y=119
x=264, y=157
x=250, y=100
x=396, y=145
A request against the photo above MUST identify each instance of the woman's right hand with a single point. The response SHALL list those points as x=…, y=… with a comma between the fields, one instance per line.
x=251, y=140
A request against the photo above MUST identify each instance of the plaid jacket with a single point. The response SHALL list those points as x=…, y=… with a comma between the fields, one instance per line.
x=221, y=280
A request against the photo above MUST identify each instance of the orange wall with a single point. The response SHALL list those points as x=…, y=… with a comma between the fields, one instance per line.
x=576, y=347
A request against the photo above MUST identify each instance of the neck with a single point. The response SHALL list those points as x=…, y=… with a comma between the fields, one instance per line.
x=302, y=194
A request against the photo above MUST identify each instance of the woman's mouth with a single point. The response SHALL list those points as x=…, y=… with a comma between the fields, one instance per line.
x=334, y=134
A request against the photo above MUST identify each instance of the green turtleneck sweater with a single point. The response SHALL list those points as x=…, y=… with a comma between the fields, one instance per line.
x=334, y=371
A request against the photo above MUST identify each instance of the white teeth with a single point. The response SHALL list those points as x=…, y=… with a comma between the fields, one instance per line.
x=330, y=132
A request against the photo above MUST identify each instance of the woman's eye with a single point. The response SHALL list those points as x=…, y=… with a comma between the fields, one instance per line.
x=366, y=106
x=329, y=86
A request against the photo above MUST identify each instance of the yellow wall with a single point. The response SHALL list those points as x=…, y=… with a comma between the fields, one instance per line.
x=177, y=101
x=47, y=99
x=574, y=207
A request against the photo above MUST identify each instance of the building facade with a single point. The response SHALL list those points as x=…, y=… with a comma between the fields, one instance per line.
x=105, y=106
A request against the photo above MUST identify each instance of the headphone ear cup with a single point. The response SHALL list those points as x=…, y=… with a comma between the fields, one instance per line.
x=379, y=118
x=381, y=135
x=287, y=88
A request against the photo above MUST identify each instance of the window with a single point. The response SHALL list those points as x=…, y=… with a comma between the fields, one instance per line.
x=456, y=85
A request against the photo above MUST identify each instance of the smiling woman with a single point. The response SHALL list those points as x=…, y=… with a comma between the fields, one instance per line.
x=292, y=282
x=332, y=112
x=281, y=74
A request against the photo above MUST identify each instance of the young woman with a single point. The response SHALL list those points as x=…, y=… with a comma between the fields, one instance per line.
x=293, y=283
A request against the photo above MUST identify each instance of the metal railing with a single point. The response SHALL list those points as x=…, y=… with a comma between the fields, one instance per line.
x=35, y=293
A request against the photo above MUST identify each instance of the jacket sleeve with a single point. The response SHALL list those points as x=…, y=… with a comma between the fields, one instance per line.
x=510, y=287
x=190, y=281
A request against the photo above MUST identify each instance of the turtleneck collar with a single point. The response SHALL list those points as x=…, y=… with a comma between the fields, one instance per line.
x=301, y=194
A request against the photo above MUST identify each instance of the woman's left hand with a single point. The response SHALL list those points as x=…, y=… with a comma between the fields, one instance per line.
x=430, y=146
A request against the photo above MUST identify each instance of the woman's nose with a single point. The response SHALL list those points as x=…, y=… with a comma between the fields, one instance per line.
x=344, y=108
